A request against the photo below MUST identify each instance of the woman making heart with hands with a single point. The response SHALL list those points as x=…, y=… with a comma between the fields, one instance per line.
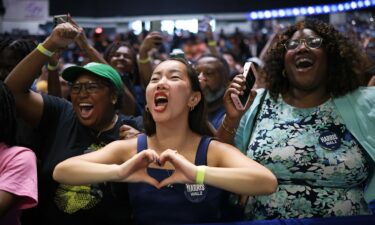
x=176, y=172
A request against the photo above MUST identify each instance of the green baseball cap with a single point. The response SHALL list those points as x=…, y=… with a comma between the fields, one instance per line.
x=103, y=70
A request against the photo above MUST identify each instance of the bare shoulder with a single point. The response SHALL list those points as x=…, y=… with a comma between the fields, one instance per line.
x=216, y=145
x=219, y=152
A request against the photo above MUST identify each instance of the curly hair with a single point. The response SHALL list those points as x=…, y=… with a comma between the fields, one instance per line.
x=8, y=119
x=346, y=62
x=198, y=121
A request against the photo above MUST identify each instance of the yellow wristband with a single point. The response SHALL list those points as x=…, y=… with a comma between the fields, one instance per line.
x=143, y=61
x=44, y=51
x=211, y=43
x=52, y=68
x=199, y=179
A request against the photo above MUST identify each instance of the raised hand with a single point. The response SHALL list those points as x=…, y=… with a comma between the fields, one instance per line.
x=61, y=36
x=236, y=87
x=127, y=132
x=152, y=40
x=81, y=39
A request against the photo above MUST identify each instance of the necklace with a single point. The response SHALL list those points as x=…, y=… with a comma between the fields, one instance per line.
x=110, y=126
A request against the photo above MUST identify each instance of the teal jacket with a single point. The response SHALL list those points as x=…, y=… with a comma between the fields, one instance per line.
x=358, y=112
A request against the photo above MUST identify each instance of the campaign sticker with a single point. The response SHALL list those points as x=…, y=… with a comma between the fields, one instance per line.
x=329, y=140
x=195, y=192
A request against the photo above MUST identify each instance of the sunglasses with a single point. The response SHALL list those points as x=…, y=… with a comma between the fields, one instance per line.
x=311, y=42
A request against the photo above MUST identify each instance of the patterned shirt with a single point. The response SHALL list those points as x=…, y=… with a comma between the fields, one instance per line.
x=321, y=168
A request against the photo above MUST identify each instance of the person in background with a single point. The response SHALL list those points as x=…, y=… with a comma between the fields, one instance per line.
x=234, y=67
x=176, y=172
x=121, y=56
x=313, y=126
x=135, y=73
x=213, y=77
x=73, y=128
x=18, y=174
x=11, y=53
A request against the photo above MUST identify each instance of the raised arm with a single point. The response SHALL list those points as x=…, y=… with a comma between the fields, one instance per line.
x=227, y=130
x=84, y=45
x=54, y=87
x=30, y=104
x=152, y=40
x=212, y=45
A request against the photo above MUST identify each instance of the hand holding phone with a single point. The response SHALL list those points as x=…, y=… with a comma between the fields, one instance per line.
x=60, y=19
x=249, y=74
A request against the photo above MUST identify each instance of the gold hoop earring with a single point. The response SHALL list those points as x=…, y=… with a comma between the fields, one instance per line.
x=283, y=73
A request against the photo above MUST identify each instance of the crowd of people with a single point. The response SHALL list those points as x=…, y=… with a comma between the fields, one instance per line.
x=133, y=134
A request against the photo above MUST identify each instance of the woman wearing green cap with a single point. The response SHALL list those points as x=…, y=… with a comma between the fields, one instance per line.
x=69, y=129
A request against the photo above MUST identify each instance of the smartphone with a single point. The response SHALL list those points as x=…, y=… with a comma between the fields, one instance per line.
x=60, y=19
x=204, y=24
x=249, y=73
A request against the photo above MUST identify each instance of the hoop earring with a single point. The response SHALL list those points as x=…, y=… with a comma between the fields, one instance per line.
x=283, y=73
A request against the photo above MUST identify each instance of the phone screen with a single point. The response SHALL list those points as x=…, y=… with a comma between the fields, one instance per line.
x=59, y=19
x=250, y=80
x=204, y=24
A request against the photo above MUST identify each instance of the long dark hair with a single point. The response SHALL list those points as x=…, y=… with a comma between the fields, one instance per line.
x=346, y=62
x=8, y=119
x=198, y=121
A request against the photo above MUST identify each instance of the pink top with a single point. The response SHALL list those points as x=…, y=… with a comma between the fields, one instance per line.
x=18, y=176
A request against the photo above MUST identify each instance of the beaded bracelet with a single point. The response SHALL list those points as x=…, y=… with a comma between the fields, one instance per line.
x=199, y=179
x=44, y=51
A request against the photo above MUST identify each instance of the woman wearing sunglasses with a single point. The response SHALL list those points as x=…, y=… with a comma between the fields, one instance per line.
x=313, y=127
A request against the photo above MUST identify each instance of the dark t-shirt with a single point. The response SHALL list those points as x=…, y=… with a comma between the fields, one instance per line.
x=63, y=137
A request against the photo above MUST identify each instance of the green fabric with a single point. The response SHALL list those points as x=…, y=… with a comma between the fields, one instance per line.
x=357, y=110
x=71, y=73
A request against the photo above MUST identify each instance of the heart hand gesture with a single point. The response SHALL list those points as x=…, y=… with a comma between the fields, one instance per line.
x=185, y=171
x=135, y=169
